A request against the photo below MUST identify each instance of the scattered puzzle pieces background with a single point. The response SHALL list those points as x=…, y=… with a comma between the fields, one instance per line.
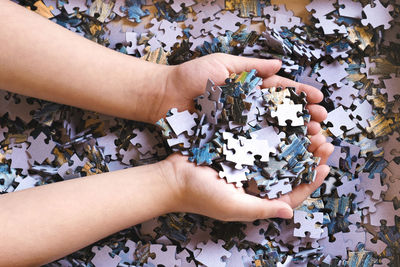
x=349, y=50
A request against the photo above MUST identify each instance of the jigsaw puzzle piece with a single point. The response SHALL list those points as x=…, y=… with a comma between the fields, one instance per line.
x=103, y=258
x=308, y=223
x=167, y=257
x=212, y=254
x=288, y=112
x=182, y=121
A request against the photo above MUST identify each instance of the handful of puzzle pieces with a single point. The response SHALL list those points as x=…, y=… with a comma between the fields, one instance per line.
x=251, y=136
x=347, y=49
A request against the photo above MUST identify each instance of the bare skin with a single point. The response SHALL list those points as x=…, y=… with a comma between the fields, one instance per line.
x=42, y=224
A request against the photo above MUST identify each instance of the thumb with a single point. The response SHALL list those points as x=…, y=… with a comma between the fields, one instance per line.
x=265, y=67
x=250, y=208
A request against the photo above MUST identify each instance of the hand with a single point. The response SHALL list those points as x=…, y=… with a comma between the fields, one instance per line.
x=200, y=189
x=186, y=81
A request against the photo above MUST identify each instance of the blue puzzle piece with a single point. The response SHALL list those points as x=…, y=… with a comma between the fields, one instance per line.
x=293, y=152
x=134, y=10
x=203, y=155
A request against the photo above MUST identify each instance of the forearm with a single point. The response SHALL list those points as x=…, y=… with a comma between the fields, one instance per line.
x=42, y=59
x=42, y=224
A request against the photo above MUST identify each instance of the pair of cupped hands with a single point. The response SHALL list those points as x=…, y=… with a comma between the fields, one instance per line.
x=199, y=189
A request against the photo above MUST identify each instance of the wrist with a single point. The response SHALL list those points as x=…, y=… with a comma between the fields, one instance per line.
x=146, y=93
x=171, y=179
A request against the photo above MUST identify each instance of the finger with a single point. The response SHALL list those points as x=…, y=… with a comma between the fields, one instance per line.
x=250, y=208
x=303, y=191
x=313, y=94
x=265, y=67
x=313, y=128
x=324, y=151
x=316, y=141
x=318, y=113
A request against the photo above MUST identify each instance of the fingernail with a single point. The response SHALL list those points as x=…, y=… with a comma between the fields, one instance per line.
x=285, y=213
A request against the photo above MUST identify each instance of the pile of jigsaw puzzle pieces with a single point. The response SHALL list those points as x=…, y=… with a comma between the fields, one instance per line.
x=250, y=136
x=347, y=49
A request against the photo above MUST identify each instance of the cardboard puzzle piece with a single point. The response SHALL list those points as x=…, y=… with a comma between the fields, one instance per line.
x=308, y=224
x=171, y=32
x=167, y=257
x=368, y=204
x=209, y=102
x=329, y=185
x=212, y=254
x=377, y=15
x=393, y=190
x=294, y=152
x=390, y=147
x=17, y=107
x=233, y=175
x=321, y=7
x=368, y=70
x=147, y=227
x=227, y=22
x=349, y=8
x=177, y=5
x=127, y=255
x=108, y=143
x=392, y=172
x=362, y=113
x=336, y=157
x=330, y=27
x=102, y=257
x=384, y=262
x=288, y=112
x=205, y=20
x=354, y=237
x=183, y=256
x=373, y=185
x=326, y=73
x=256, y=233
x=67, y=171
x=19, y=158
x=348, y=186
x=72, y=5
x=344, y=95
x=204, y=155
x=133, y=10
x=132, y=38
x=340, y=121
x=336, y=248
x=282, y=186
x=132, y=153
x=271, y=134
x=240, y=157
x=236, y=258
x=392, y=88
x=280, y=17
x=241, y=151
x=6, y=180
x=27, y=182
x=384, y=212
x=145, y=141
x=39, y=150
x=200, y=236
x=182, y=121
x=374, y=244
